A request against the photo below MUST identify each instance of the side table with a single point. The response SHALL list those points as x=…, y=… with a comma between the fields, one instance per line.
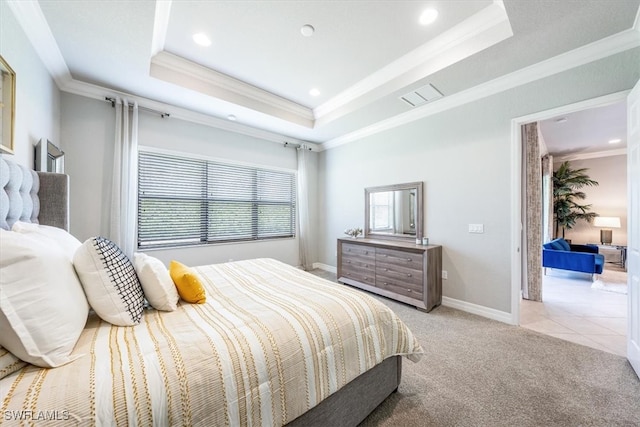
x=621, y=248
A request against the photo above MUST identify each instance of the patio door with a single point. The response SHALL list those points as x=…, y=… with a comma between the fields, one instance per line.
x=633, y=221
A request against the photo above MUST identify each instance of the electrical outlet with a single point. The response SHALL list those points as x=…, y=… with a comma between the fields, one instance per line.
x=476, y=228
x=445, y=275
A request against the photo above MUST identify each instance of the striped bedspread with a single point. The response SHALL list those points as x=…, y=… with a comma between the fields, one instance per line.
x=270, y=343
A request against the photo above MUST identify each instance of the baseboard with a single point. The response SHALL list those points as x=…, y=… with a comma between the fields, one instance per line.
x=480, y=310
x=325, y=267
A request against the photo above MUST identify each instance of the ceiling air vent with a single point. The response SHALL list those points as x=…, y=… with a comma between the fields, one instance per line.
x=421, y=95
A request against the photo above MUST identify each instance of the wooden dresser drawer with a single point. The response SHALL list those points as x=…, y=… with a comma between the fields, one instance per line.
x=407, y=289
x=362, y=261
x=399, y=273
x=360, y=274
x=361, y=251
x=410, y=260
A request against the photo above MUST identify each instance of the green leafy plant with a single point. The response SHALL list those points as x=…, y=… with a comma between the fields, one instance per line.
x=566, y=185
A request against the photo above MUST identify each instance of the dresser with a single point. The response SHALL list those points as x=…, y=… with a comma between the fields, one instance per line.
x=399, y=270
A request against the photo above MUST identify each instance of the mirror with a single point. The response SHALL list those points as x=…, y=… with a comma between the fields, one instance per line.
x=48, y=157
x=393, y=211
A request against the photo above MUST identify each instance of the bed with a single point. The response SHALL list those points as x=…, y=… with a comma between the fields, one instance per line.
x=272, y=345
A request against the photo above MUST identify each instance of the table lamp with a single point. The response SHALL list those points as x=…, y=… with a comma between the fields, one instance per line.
x=606, y=223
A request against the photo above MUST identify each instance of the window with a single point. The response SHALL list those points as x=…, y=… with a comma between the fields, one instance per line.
x=192, y=201
x=382, y=210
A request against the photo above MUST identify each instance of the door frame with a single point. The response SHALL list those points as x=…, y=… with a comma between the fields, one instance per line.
x=518, y=253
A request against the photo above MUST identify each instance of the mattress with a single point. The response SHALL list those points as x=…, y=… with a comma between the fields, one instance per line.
x=270, y=343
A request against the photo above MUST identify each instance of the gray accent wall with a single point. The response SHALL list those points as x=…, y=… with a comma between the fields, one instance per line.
x=463, y=156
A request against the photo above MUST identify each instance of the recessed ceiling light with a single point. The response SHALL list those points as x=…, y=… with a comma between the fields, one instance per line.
x=307, y=30
x=561, y=120
x=232, y=117
x=314, y=92
x=428, y=16
x=202, y=39
x=615, y=141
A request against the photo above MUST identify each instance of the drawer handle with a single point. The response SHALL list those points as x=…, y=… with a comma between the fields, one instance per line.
x=386, y=284
x=409, y=290
x=348, y=250
x=366, y=266
x=409, y=259
x=348, y=262
x=408, y=274
x=385, y=269
x=366, y=252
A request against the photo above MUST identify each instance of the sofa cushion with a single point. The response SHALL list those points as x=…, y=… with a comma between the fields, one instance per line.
x=556, y=245
x=564, y=244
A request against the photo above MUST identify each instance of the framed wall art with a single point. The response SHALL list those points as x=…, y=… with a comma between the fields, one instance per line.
x=7, y=106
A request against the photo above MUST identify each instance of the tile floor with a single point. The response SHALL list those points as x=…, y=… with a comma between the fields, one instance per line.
x=575, y=312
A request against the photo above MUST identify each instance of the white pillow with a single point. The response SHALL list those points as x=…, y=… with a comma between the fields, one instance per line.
x=43, y=309
x=66, y=241
x=156, y=282
x=110, y=281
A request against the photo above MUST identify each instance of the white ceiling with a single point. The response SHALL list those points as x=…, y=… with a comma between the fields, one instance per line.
x=586, y=132
x=362, y=57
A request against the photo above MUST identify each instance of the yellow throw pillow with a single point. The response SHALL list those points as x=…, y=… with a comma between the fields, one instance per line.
x=187, y=282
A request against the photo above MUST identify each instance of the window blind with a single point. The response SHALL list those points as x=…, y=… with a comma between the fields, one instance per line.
x=192, y=201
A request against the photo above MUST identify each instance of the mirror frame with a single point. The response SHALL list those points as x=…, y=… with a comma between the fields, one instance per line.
x=419, y=210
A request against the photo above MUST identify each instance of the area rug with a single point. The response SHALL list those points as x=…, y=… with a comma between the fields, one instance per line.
x=611, y=281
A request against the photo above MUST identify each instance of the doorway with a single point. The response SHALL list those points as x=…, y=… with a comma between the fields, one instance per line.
x=572, y=321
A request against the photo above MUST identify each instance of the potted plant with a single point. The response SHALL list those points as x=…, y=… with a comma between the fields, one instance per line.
x=566, y=185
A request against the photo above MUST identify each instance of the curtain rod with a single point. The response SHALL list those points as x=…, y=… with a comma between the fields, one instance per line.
x=297, y=146
x=162, y=114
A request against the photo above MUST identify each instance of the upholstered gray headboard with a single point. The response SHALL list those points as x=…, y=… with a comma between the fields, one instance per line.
x=30, y=196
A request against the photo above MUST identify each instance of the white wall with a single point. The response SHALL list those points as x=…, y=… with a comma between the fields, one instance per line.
x=609, y=198
x=88, y=134
x=463, y=157
x=37, y=113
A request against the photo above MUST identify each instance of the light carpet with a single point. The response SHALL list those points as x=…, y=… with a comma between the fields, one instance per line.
x=480, y=372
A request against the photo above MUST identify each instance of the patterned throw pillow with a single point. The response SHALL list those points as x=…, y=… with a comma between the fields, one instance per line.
x=110, y=282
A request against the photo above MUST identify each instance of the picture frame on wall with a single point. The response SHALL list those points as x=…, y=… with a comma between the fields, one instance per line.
x=7, y=106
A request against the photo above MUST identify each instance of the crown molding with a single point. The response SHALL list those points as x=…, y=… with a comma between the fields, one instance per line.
x=603, y=48
x=160, y=25
x=89, y=90
x=592, y=155
x=30, y=17
x=485, y=28
x=177, y=70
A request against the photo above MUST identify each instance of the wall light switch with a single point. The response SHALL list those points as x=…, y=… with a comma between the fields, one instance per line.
x=445, y=274
x=476, y=228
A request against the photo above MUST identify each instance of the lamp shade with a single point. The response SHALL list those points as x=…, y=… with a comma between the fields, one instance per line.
x=607, y=221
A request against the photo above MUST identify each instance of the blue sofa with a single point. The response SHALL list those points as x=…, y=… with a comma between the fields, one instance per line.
x=560, y=254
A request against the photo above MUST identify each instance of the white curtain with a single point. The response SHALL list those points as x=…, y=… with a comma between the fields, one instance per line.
x=125, y=176
x=304, y=239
